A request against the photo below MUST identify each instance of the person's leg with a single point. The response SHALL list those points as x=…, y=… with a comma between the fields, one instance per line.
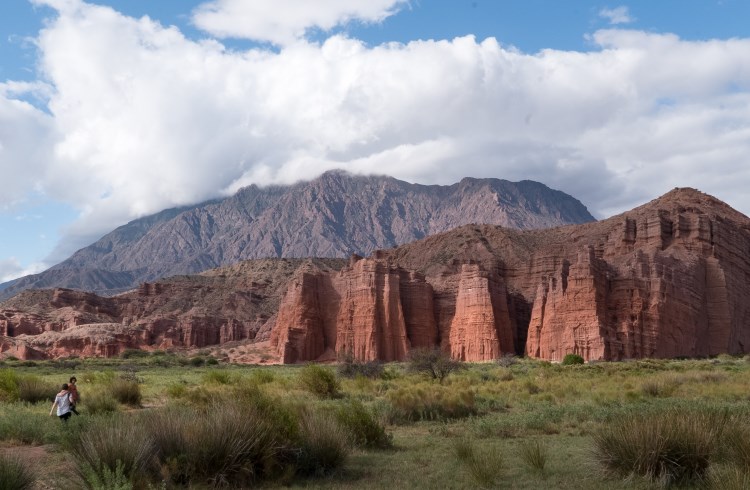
x=73, y=410
x=64, y=417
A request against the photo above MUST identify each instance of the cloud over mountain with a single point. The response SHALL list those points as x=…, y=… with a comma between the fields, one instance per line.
x=139, y=117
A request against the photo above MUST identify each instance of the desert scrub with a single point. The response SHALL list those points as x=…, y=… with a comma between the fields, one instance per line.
x=534, y=455
x=349, y=367
x=484, y=465
x=319, y=380
x=14, y=474
x=673, y=446
x=8, y=385
x=431, y=402
x=365, y=429
x=20, y=422
x=571, y=359
x=217, y=376
x=100, y=401
x=432, y=362
x=115, y=444
x=126, y=391
x=324, y=444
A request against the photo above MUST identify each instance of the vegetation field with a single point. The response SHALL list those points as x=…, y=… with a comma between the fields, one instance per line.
x=160, y=420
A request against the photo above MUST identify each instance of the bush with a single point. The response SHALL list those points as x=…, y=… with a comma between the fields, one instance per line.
x=349, y=367
x=484, y=467
x=433, y=362
x=217, y=376
x=22, y=424
x=319, y=380
x=534, y=454
x=197, y=361
x=8, y=385
x=507, y=360
x=114, y=445
x=431, y=402
x=674, y=446
x=572, y=359
x=366, y=431
x=14, y=475
x=126, y=392
x=100, y=401
x=325, y=444
x=228, y=445
x=32, y=389
x=133, y=354
x=103, y=478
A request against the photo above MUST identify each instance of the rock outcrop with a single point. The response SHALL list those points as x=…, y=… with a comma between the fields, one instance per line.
x=670, y=278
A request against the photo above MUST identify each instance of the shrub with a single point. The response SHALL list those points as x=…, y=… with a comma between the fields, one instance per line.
x=534, y=454
x=176, y=390
x=114, y=445
x=197, y=361
x=103, y=478
x=229, y=445
x=728, y=477
x=319, y=380
x=212, y=361
x=262, y=376
x=126, y=392
x=433, y=362
x=217, y=376
x=659, y=387
x=22, y=424
x=32, y=389
x=673, y=446
x=507, y=360
x=571, y=359
x=349, y=367
x=366, y=431
x=325, y=444
x=485, y=466
x=100, y=401
x=14, y=475
x=8, y=385
x=431, y=402
x=133, y=354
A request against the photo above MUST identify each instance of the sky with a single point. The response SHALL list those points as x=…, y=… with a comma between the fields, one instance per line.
x=117, y=109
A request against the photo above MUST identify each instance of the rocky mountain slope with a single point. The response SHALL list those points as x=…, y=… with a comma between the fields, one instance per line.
x=670, y=278
x=333, y=216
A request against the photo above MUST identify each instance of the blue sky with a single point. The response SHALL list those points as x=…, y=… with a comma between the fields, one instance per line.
x=105, y=117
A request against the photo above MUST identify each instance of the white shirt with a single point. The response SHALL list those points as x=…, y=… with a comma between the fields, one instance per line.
x=63, y=403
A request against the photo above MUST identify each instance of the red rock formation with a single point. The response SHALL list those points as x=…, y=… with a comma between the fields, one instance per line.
x=670, y=278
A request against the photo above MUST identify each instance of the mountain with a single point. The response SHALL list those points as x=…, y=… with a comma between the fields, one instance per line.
x=333, y=216
x=670, y=278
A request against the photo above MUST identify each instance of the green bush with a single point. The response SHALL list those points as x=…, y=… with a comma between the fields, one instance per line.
x=571, y=359
x=197, y=361
x=349, y=367
x=319, y=381
x=229, y=444
x=484, y=467
x=126, y=392
x=366, y=431
x=112, y=445
x=103, y=478
x=325, y=444
x=534, y=454
x=432, y=362
x=674, y=446
x=100, y=401
x=32, y=389
x=14, y=475
x=8, y=385
x=431, y=402
x=217, y=376
x=21, y=423
x=133, y=354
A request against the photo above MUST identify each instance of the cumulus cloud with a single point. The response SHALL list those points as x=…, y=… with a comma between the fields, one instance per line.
x=170, y=121
x=11, y=269
x=285, y=21
x=617, y=15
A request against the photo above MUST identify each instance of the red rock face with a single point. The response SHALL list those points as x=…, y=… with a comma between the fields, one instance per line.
x=670, y=278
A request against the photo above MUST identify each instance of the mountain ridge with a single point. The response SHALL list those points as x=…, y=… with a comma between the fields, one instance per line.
x=335, y=215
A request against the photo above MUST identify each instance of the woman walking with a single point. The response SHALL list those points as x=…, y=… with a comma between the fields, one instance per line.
x=62, y=402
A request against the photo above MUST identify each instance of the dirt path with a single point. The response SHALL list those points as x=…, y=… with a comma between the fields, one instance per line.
x=48, y=464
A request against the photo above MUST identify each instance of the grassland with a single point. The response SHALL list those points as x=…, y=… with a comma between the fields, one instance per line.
x=517, y=423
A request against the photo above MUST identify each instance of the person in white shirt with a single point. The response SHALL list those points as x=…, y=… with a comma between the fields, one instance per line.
x=63, y=404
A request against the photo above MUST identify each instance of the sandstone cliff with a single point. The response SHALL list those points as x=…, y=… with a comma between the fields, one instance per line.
x=670, y=278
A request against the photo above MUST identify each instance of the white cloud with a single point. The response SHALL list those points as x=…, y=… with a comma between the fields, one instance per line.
x=285, y=21
x=169, y=121
x=12, y=269
x=617, y=15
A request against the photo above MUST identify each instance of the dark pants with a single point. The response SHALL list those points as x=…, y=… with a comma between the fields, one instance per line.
x=64, y=417
x=73, y=410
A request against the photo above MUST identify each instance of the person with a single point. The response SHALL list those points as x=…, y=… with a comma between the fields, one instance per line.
x=74, y=397
x=62, y=402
